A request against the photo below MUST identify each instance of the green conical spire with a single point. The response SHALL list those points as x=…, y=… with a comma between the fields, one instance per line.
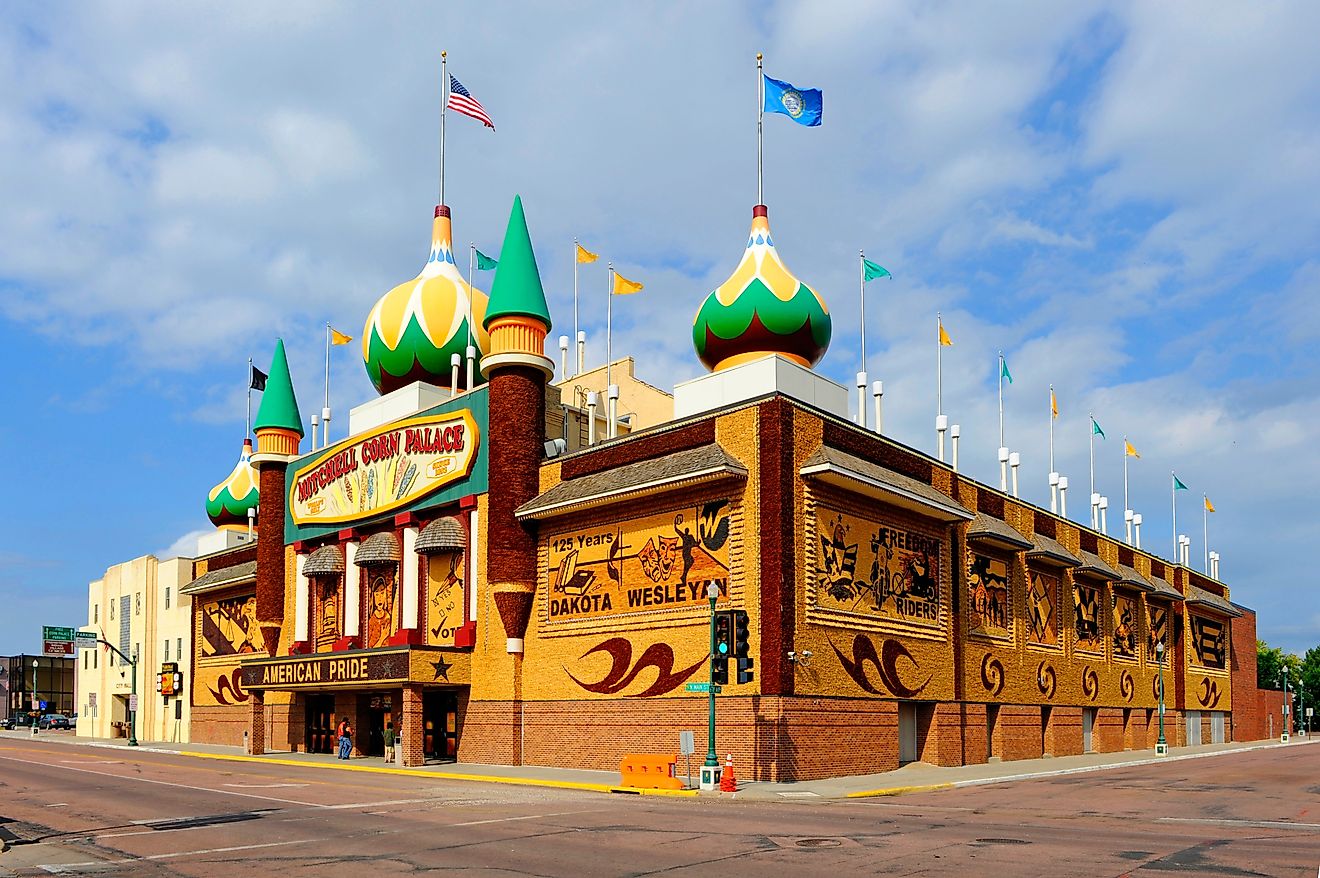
x=279, y=407
x=517, y=289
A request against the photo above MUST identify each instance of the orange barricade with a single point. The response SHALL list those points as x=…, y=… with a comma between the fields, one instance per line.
x=649, y=771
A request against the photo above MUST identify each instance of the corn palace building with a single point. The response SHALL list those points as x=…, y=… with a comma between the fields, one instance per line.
x=449, y=568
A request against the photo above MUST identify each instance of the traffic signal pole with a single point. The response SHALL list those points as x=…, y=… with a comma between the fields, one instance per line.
x=132, y=714
x=712, y=758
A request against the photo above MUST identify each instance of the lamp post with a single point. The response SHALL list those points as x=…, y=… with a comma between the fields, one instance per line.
x=35, y=701
x=710, y=769
x=1161, y=746
x=1287, y=707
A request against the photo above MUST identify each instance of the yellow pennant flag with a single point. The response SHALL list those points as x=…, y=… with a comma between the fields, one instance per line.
x=944, y=336
x=1209, y=507
x=1129, y=450
x=1054, y=406
x=623, y=286
x=337, y=337
x=584, y=255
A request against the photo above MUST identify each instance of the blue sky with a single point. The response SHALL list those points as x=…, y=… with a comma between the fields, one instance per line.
x=1121, y=197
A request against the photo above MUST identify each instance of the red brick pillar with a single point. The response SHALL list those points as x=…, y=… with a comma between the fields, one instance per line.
x=414, y=743
x=256, y=733
x=1063, y=733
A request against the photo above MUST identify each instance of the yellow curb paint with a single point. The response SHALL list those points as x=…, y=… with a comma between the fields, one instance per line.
x=899, y=791
x=444, y=775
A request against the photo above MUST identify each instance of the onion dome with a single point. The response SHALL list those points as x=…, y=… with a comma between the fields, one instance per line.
x=761, y=309
x=415, y=329
x=228, y=503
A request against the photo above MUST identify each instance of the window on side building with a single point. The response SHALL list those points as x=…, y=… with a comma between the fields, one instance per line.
x=167, y=597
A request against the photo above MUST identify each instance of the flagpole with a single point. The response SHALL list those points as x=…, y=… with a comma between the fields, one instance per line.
x=1051, y=428
x=1173, y=497
x=939, y=366
x=760, y=126
x=444, y=104
x=1126, y=505
x=1091, y=499
x=325, y=413
x=472, y=254
x=861, y=295
x=576, y=245
x=1205, y=531
x=249, y=400
x=609, y=326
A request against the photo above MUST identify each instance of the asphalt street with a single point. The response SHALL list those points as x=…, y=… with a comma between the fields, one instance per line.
x=85, y=810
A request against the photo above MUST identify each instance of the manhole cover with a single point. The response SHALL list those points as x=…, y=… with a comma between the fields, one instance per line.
x=818, y=842
x=1002, y=841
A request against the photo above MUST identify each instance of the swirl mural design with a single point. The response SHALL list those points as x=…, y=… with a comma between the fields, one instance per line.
x=1046, y=681
x=885, y=663
x=1090, y=683
x=992, y=674
x=1126, y=687
x=658, y=655
x=1208, y=693
x=229, y=690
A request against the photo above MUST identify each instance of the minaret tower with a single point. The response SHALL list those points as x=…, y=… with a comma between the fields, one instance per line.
x=517, y=368
x=279, y=430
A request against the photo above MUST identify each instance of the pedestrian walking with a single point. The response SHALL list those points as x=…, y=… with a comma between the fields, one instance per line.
x=389, y=742
x=345, y=735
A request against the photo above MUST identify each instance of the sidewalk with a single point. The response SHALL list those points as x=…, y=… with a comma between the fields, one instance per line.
x=916, y=777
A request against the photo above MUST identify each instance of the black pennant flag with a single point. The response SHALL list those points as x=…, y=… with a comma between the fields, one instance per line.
x=258, y=380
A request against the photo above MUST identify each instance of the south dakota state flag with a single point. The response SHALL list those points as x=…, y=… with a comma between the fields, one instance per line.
x=802, y=105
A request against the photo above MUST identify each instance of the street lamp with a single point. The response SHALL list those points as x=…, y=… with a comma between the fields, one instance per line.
x=1161, y=746
x=132, y=663
x=35, y=701
x=1287, y=706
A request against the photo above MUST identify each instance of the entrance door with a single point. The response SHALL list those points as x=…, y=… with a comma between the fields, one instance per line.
x=318, y=722
x=907, y=732
x=440, y=726
x=1193, y=728
x=374, y=711
x=1088, y=726
x=1217, y=727
x=991, y=720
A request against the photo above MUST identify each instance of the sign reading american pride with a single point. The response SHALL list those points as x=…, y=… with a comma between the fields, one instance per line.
x=384, y=470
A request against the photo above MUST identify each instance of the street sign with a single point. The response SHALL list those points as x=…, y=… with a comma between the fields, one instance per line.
x=132, y=702
x=1310, y=712
x=687, y=743
x=91, y=700
x=57, y=647
x=85, y=639
x=42, y=705
x=50, y=633
x=704, y=687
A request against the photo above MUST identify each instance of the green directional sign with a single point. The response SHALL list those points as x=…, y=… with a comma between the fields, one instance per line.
x=50, y=633
x=704, y=687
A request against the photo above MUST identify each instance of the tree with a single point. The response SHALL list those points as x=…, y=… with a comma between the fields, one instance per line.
x=1269, y=666
x=1310, y=681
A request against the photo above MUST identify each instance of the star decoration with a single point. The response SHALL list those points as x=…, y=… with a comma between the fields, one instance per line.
x=441, y=668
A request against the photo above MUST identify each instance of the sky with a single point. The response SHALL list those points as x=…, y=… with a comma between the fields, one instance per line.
x=1120, y=197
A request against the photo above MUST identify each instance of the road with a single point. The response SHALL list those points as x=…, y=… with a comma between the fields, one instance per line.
x=84, y=810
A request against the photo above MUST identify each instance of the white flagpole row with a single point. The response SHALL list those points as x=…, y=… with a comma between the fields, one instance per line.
x=1091, y=426
x=1173, y=497
x=248, y=432
x=577, y=340
x=760, y=125
x=444, y=105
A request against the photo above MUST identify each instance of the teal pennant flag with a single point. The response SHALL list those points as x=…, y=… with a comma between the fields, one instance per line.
x=1003, y=370
x=1095, y=429
x=872, y=271
x=1177, y=483
x=485, y=263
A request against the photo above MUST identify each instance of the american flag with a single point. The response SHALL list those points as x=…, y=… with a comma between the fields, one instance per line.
x=461, y=99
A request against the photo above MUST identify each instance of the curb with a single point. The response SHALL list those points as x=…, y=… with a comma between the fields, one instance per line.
x=443, y=775
x=1060, y=772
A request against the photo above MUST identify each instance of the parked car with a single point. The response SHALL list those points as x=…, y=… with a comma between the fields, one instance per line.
x=54, y=721
x=17, y=721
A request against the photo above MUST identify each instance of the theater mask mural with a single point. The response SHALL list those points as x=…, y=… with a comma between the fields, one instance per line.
x=872, y=569
x=229, y=627
x=646, y=564
x=1125, y=626
x=987, y=588
x=1088, y=621
x=1043, y=608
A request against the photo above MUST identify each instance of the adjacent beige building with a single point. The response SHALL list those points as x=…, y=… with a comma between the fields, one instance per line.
x=137, y=607
x=640, y=405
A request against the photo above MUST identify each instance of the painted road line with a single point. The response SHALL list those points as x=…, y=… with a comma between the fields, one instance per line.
x=899, y=791
x=264, y=786
x=1254, y=824
x=166, y=783
x=60, y=868
x=527, y=817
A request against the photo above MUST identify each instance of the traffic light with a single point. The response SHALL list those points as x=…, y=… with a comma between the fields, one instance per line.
x=719, y=671
x=741, y=647
x=723, y=635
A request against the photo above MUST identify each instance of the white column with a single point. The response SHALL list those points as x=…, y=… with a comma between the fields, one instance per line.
x=472, y=565
x=861, y=399
x=954, y=432
x=352, y=581
x=409, y=578
x=878, y=394
x=300, y=589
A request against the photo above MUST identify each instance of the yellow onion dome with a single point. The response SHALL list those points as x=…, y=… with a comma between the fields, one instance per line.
x=414, y=330
x=761, y=309
x=229, y=502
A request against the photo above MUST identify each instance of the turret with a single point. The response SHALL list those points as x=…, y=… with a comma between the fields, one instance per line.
x=279, y=430
x=517, y=369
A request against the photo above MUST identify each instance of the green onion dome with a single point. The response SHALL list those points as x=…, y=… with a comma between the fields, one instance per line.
x=761, y=309
x=415, y=328
x=228, y=503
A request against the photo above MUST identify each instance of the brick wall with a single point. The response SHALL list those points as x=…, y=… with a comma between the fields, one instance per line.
x=1018, y=732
